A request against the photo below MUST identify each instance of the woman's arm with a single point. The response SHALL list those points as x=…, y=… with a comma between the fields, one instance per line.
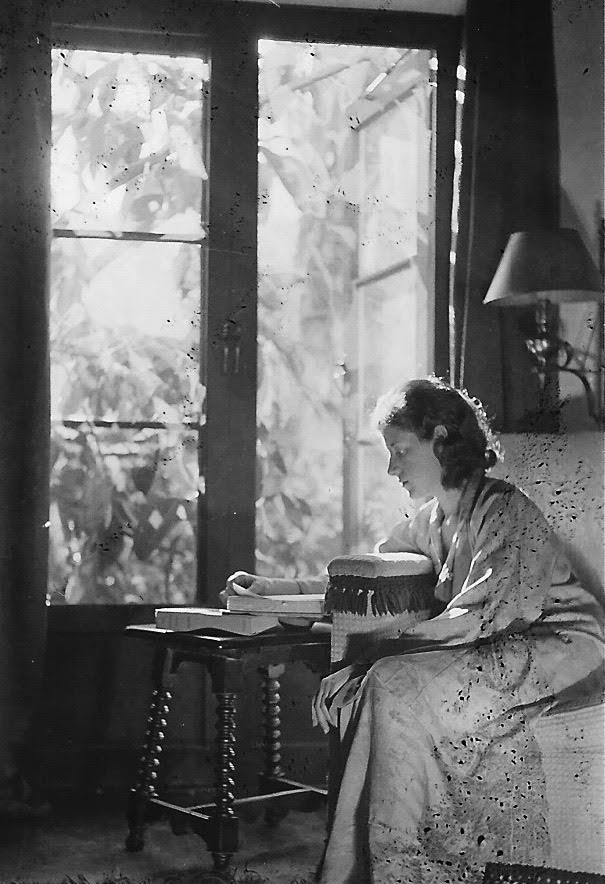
x=513, y=553
x=271, y=585
x=399, y=540
x=313, y=585
x=406, y=535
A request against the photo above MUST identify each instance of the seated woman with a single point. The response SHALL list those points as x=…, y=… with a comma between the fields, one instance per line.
x=443, y=773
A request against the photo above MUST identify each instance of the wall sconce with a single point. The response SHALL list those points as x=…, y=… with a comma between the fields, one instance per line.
x=543, y=268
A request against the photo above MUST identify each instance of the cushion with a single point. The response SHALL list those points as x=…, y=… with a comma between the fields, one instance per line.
x=372, y=597
x=380, y=584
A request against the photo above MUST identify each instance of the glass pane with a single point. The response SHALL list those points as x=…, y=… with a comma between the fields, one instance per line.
x=395, y=188
x=127, y=141
x=123, y=516
x=345, y=223
x=391, y=321
x=125, y=331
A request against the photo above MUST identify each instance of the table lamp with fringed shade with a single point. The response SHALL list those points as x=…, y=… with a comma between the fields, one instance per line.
x=543, y=268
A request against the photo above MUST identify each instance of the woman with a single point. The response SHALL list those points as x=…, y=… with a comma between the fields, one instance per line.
x=443, y=773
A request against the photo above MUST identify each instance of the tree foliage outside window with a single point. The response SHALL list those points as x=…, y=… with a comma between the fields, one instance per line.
x=333, y=200
x=128, y=178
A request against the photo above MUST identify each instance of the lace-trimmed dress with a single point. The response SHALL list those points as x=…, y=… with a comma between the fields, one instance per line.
x=443, y=773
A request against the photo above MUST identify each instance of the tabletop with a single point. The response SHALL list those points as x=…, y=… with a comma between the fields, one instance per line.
x=282, y=641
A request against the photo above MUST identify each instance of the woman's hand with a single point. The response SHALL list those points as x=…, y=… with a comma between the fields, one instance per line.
x=258, y=585
x=252, y=582
x=330, y=685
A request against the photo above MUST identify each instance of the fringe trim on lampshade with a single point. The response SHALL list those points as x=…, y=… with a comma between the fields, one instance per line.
x=382, y=595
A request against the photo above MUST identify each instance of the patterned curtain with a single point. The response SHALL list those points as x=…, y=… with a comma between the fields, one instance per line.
x=24, y=382
x=509, y=180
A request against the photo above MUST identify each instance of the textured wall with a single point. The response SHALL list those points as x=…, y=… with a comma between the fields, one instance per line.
x=563, y=474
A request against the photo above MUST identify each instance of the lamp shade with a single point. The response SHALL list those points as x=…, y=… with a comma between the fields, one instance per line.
x=551, y=265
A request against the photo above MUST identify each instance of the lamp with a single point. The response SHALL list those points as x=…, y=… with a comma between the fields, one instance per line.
x=543, y=268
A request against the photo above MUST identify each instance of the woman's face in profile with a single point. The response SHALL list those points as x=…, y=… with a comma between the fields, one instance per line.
x=413, y=462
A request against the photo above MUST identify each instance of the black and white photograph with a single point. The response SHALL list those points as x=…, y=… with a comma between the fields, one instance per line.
x=302, y=413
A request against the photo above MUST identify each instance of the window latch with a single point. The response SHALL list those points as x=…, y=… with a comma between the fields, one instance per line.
x=231, y=334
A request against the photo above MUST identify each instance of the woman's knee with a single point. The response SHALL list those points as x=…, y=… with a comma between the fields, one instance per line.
x=414, y=667
x=428, y=683
x=398, y=675
x=382, y=672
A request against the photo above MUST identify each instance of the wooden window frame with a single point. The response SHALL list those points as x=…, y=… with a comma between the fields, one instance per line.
x=227, y=35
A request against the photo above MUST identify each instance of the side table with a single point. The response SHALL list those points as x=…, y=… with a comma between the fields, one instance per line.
x=224, y=657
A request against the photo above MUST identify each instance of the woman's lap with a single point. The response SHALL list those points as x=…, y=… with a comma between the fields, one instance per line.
x=434, y=739
x=472, y=684
x=442, y=772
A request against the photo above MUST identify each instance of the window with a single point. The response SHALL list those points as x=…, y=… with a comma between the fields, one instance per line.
x=241, y=222
x=345, y=291
x=128, y=180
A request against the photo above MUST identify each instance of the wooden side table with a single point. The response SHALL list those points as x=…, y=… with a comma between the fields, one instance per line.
x=224, y=657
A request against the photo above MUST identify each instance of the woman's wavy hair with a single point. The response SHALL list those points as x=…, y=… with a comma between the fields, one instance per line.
x=425, y=403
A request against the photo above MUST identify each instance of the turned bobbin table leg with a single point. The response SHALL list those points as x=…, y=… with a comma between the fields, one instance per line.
x=147, y=775
x=272, y=734
x=223, y=843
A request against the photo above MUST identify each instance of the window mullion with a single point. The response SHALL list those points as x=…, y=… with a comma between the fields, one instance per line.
x=446, y=109
x=228, y=509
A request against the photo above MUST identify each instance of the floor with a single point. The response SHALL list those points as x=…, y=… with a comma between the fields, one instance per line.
x=86, y=846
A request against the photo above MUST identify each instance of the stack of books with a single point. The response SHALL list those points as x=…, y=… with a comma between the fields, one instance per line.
x=245, y=614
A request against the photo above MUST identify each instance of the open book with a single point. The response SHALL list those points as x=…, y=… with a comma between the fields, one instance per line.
x=307, y=605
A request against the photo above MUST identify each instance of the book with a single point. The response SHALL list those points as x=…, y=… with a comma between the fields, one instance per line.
x=193, y=619
x=309, y=604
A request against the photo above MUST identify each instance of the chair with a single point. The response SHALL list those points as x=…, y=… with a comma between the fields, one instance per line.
x=571, y=739
x=498, y=873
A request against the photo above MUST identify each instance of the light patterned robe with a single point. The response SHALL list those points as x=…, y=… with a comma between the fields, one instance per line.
x=442, y=772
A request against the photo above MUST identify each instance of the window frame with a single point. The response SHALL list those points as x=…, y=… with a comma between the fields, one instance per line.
x=226, y=35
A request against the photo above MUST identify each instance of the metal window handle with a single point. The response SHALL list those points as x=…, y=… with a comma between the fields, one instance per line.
x=230, y=335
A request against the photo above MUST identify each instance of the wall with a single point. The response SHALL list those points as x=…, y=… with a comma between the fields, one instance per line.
x=578, y=37
x=563, y=474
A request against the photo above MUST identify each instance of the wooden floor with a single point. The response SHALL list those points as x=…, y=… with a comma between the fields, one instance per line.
x=87, y=846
